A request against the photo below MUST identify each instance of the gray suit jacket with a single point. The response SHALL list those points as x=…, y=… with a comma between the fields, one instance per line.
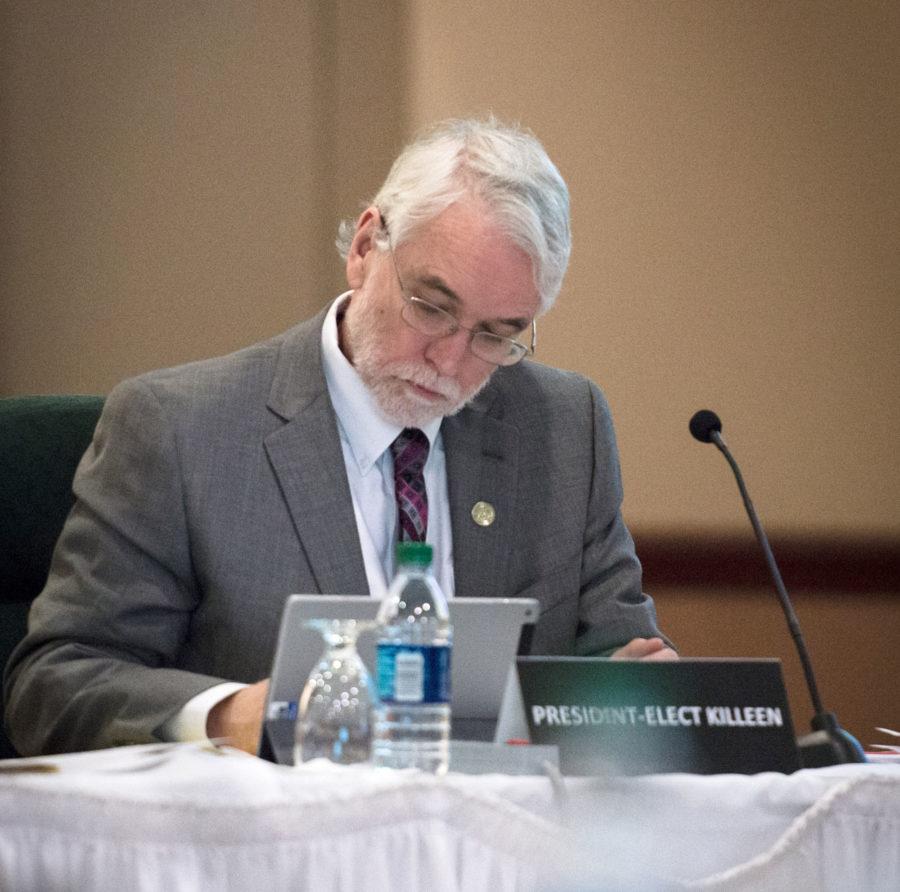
x=213, y=490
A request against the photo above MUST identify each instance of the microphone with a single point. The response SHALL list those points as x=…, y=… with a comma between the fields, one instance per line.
x=829, y=744
x=704, y=424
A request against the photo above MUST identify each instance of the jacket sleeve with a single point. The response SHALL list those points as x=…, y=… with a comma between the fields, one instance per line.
x=95, y=669
x=613, y=608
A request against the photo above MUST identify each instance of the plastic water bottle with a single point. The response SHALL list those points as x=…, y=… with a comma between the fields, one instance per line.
x=411, y=728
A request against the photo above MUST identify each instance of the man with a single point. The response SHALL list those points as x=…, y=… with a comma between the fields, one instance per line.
x=212, y=491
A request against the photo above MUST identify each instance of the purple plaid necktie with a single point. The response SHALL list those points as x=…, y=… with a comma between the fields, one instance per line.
x=410, y=451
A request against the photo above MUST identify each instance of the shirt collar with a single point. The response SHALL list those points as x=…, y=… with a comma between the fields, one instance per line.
x=362, y=425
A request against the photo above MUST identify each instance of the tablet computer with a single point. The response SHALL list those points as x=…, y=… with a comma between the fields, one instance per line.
x=488, y=634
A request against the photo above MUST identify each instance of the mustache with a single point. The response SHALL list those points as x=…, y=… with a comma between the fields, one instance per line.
x=448, y=388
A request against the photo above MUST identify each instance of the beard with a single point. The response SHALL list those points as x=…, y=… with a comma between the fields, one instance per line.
x=390, y=381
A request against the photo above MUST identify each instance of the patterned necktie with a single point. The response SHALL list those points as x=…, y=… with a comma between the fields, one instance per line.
x=410, y=451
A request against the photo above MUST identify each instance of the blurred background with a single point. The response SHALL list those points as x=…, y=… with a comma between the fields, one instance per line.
x=172, y=175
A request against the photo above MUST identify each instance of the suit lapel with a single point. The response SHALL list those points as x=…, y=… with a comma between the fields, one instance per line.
x=482, y=466
x=308, y=462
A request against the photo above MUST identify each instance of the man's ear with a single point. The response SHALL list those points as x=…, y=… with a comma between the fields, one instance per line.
x=362, y=246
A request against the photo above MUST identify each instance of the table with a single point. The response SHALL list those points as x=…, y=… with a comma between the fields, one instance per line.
x=185, y=817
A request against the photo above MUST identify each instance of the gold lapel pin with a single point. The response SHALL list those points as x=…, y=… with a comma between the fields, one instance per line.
x=483, y=513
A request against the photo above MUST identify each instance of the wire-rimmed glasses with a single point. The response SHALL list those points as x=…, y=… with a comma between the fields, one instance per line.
x=436, y=322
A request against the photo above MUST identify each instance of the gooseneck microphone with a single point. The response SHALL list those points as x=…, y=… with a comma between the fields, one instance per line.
x=829, y=744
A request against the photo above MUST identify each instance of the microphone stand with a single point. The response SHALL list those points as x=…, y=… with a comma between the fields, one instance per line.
x=829, y=743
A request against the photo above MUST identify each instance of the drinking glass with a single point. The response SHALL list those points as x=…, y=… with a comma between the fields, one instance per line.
x=334, y=719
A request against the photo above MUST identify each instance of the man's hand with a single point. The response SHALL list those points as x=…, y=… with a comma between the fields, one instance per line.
x=645, y=649
x=237, y=720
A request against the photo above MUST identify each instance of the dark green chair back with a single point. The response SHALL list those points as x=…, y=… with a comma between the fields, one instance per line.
x=42, y=439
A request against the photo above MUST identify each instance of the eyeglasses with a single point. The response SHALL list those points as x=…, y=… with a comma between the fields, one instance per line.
x=436, y=322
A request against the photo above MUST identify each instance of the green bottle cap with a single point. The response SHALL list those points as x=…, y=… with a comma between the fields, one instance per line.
x=418, y=553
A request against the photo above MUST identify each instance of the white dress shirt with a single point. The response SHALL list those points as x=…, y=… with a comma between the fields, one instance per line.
x=366, y=436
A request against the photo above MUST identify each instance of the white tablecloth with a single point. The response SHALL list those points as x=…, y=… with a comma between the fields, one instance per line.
x=181, y=817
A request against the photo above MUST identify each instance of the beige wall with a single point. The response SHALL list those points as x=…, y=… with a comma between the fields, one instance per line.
x=172, y=173
x=736, y=210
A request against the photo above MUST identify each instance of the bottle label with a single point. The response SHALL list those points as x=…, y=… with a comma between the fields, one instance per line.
x=413, y=673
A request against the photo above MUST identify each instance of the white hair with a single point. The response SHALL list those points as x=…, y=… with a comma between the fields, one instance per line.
x=503, y=166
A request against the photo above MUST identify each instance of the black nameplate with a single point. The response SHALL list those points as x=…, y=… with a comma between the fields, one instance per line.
x=631, y=717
